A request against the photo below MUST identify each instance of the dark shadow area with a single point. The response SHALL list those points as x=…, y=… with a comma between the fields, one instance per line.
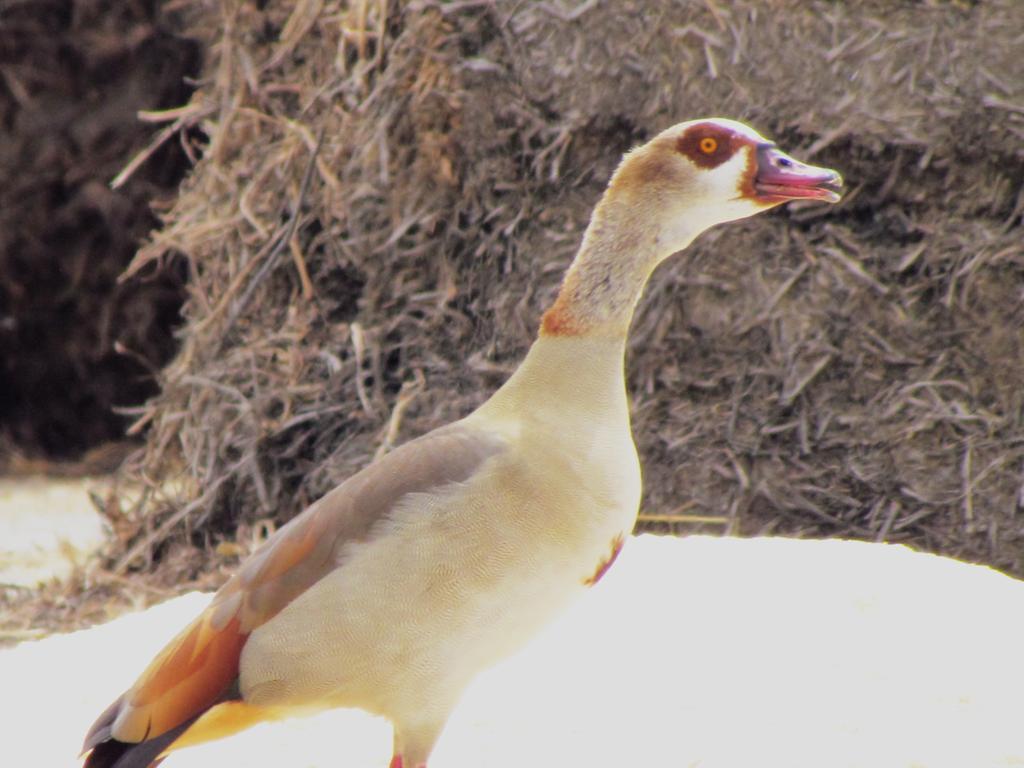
x=75, y=343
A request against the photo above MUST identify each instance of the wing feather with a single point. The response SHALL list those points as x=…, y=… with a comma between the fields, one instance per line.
x=193, y=672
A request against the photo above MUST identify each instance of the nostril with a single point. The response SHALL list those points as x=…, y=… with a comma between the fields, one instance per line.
x=785, y=162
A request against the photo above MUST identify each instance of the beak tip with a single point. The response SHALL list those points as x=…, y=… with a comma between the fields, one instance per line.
x=780, y=178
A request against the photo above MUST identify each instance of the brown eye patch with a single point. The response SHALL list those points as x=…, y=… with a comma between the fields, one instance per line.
x=707, y=145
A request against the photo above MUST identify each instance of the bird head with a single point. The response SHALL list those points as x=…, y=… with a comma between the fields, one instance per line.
x=705, y=172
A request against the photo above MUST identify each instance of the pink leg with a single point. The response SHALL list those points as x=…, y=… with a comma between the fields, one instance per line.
x=396, y=762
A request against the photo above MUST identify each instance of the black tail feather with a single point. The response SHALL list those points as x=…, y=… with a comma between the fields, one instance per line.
x=108, y=752
x=112, y=753
x=100, y=730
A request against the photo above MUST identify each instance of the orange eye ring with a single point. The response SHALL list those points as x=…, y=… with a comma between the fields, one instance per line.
x=708, y=145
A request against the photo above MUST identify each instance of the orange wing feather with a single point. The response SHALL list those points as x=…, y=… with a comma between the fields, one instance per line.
x=188, y=676
x=194, y=670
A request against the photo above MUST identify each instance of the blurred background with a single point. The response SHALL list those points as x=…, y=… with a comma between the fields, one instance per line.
x=247, y=246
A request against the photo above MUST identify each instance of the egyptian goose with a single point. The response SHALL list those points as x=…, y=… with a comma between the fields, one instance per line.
x=395, y=589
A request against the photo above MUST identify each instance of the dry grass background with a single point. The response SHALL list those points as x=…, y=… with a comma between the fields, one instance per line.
x=391, y=191
x=75, y=341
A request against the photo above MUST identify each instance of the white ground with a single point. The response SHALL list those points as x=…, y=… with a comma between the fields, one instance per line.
x=698, y=652
x=47, y=528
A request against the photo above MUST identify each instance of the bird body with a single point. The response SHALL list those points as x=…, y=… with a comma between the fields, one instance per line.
x=528, y=534
x=396, y=588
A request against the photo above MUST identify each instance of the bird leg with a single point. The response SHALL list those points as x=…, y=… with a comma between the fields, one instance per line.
x=396, y=762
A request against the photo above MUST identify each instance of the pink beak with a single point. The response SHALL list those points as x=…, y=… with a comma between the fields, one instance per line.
x=780, y=178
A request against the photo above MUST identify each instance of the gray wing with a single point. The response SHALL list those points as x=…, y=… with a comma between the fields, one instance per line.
x=191, y=673
x=305, y=549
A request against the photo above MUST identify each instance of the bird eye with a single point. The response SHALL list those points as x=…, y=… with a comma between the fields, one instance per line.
x=708, y=145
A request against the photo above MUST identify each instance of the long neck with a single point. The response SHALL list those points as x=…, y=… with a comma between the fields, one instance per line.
x=576, y=363
x=606, y=279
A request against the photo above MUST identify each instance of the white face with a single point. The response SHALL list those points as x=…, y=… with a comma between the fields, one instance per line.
x=730, y=171
x=724, y=189
x=717, y=185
